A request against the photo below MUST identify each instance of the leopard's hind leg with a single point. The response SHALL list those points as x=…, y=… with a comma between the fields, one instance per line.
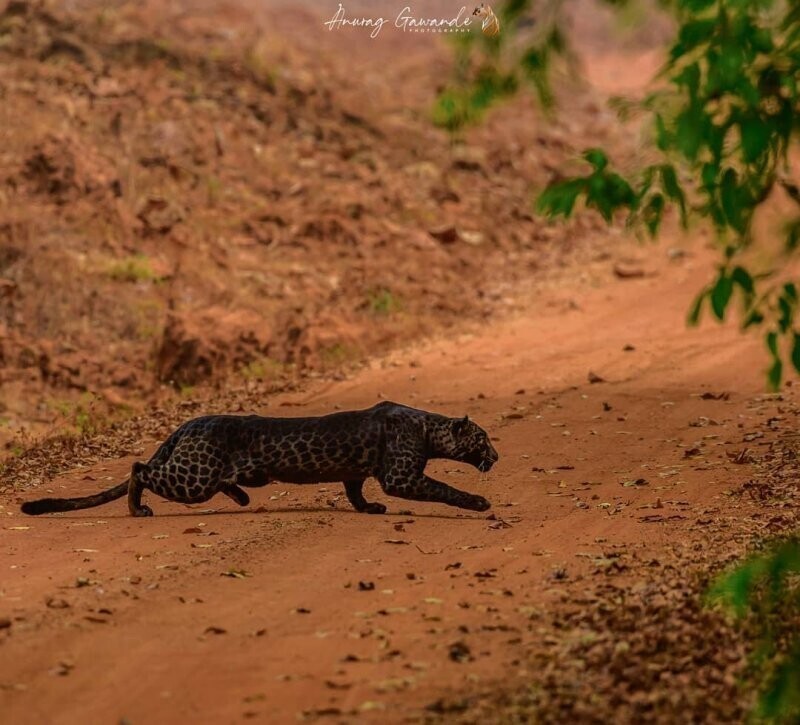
x=356, y=497
x=138, y=482
x=249, y=478
x=252, y=479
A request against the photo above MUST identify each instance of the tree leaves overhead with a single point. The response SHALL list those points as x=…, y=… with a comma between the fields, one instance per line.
x=488, y=70
x=723, y=121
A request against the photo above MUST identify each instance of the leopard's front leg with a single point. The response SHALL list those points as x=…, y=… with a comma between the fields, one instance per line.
x=356, y=497
x=425, y=488
x=402, y=472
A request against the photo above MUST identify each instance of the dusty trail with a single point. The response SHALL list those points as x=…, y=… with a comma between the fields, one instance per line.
x=258, y=613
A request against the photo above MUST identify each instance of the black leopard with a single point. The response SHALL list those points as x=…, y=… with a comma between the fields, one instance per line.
x=222, y=453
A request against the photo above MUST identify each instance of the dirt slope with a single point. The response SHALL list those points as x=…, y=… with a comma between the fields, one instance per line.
x=269, y=613
x=223, y=192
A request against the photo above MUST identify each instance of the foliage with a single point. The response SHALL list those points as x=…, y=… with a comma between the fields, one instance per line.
x=724, y=126
x=136, y=268
x=487, y=70
x=81, y=414
x=766, y=587
x=382, y=302
x=723, y=120
x=261, y=368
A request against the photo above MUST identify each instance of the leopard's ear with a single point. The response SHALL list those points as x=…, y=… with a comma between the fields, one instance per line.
x=460, y=424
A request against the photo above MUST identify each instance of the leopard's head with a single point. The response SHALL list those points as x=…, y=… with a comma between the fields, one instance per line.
x=469, y=443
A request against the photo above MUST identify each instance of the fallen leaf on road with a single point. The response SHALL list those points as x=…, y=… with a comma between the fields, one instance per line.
x=636, y=482
x=658, y=518
x=741, y=458
x=715, y=396
x=62, y=669
x=627, y=272
x=459, y=652
x=338, y=685
x=236, y=573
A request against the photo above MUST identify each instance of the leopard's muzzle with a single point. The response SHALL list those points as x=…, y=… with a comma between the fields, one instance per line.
x=489, y=458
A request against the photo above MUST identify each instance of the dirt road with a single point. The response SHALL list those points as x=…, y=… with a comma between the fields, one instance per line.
x=298, y=605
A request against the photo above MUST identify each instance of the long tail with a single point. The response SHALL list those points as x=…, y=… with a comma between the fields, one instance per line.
x=50, y=505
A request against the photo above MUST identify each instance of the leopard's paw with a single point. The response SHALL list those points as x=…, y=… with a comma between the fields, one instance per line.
x=375, y=508
x=477, y=503
x=142, y=511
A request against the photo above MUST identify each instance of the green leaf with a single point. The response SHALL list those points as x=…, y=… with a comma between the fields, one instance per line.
x=772, y=343
x=695, y=6
x=733, y=589
x=663, y=137
x=696, y=32
x=696, y=309
x=787, y=302
x=756, y=135
x=761, y=40
x=596, y=158
x=721, y=295
x=653, y=212
x=559, y=199
x=534, y=59
x=785, y=314
x=792, y=236
x=729, y=198
x=775, y=374
x=689, y=77
x=796, y=352
x=690, y=130
x=673, y=190
x=744, y=279
x=754, y=318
